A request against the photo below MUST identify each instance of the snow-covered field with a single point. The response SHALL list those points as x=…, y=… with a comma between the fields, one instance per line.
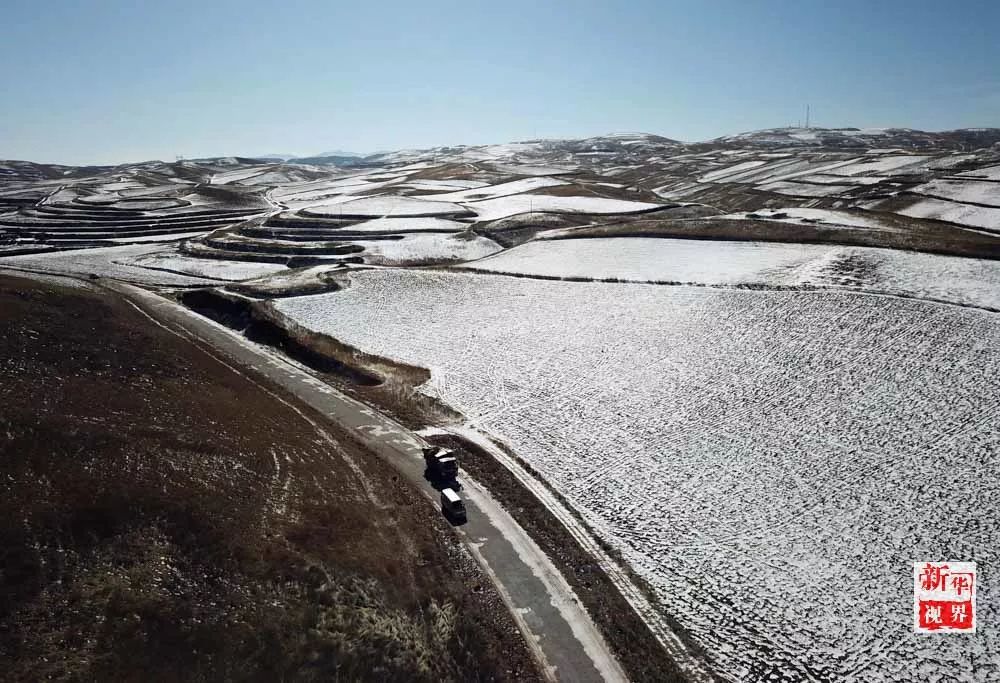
x=793, y=189
x=237, y=175
x=851, y=219
x=443, y=185
x=319, y=202
x=649, y=259
x=972, y=191
x=208, y=268
x=501, y=190
x=965, y=281
x=408, y=225
x=963, y=214
x=388, y=206
x=987, y=173
x=823, y=179
x=492, y=209
x=147, y=204
x=115, y=262
x=168, y=237
x=882, y=165
x=731, y=170
x=285, y=281
x=764, y=458
x=533, y=170
x=421, y=247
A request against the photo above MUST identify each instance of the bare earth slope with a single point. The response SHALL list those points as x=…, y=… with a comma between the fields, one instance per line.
x=162, y=516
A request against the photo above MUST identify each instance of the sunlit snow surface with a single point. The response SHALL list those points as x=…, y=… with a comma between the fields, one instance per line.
x=418, y=248
x=971, y=191
x=501, y=207
x=116, y=262
x=764, y=458
x=851, y=219
x=144, y=264
x=376, y=207
x=408, y=225
x=502, y=190
x=963, y=214
x=966, y=281
x=989, y=173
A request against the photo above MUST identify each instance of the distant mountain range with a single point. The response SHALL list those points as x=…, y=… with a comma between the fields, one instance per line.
x=614, y=144
x=321, y=155
x=836, y=138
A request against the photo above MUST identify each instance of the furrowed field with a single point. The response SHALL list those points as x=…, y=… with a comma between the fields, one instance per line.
x=771, y=461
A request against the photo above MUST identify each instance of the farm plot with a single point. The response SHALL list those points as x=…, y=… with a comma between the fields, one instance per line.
x=321, y=192
x=502, y=190
x=398, y=225
x=969, y=191
x=986, y=173
x=113, y=262
x=237, y=175
x=762, y=458
x=954, y=212
x=534, y=170
x=793, y=189
x=419, y=248
x=206, y=268
x=849, y=219
x=443, y=185
x=823, y=179
x=501, y=207
x=883, y=165
x=964, y=281
x=722, y=173
x=395, y=206
x=650, y=259
x=163, y=237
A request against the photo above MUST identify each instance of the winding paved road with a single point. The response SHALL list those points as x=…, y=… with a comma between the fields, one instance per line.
x=556, y=626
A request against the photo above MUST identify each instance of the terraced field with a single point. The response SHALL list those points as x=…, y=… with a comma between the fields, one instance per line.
x=99, y=212
x=764, y=459
x=235, y=209
x=963, y=281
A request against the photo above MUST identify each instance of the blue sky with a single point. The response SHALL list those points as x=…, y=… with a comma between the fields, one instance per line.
x=105, y=82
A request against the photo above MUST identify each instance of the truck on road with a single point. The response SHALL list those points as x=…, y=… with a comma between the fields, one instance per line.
x=452, y=506
x=442, y=466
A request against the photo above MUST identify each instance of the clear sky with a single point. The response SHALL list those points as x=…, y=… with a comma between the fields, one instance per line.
x=106, y=82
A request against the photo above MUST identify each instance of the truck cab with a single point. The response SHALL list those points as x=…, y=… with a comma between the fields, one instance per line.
x=442, y=466
x=452, y=506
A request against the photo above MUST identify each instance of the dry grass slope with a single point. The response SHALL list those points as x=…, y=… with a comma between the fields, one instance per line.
x=164, y=518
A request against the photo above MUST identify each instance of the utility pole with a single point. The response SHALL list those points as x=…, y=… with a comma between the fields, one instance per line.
x=807, y=117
